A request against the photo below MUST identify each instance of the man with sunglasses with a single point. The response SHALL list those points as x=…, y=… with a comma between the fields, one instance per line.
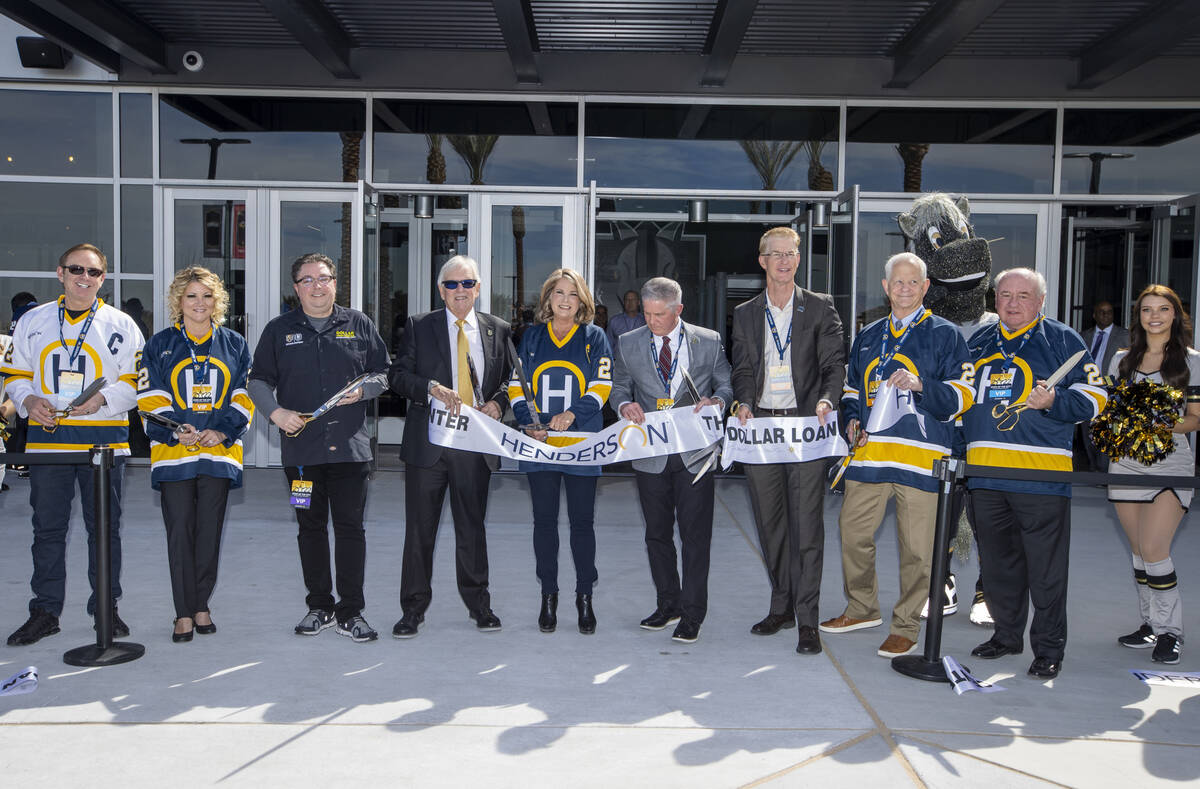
x=304, y=357
x=460, y=358
x=58, y=351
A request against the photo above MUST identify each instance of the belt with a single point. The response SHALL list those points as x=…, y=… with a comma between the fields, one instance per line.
x=778, y=411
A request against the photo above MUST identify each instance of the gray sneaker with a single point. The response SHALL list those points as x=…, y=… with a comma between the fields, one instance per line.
x=357, y=629
x=315, y=621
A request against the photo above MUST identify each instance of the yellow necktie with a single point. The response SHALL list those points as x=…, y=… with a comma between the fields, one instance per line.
x=464, y=370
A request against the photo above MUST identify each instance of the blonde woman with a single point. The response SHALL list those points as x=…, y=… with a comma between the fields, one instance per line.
x=194, y=373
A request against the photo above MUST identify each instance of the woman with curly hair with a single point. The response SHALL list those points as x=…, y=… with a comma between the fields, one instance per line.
x=1159, y=351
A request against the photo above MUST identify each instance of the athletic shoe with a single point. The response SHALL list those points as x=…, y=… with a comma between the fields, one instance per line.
x=41, y=623
x=1142, y=638
x=357, y=629
x=949, y=599
x=1167, y=650
x=315, y=621
x=980, y=615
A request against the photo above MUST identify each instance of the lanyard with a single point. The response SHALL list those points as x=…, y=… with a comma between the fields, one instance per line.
x=199, y=370
x=1009, y=359
x=73, y=353
x=775, y=333
x=885, y=357
x=674, y=362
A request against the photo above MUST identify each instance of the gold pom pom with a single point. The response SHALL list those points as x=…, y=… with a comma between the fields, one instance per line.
x=1137, y=421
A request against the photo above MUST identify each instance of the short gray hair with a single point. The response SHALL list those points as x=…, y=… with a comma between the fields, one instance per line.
x=662, y=289
x=905, y=257
x=1038, y=280
x=458, y=261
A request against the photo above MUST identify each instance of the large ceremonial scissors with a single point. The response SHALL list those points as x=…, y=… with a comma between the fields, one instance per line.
x=1010, y=414
x=716, y=448
x=84, y=396
x=357, y=383
x=527, y=390
x=177, y=429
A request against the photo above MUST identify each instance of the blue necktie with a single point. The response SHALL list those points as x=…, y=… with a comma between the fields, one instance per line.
x=1097, y=343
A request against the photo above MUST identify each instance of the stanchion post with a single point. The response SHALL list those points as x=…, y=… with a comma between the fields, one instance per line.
x=928, y=666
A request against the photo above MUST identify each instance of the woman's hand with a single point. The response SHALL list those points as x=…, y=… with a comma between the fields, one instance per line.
x=210, y=438
x=562, y=421
x=187, y=435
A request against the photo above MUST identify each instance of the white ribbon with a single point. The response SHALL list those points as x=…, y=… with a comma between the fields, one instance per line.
x=663, y=433
x=782, y=439
x=890, y=406
x=22, y=682
x=963, y=680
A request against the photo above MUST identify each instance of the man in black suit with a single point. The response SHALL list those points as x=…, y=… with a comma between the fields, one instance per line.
x=647, y=377
x=1104, y=339
x=788, y=357
x=458, y=357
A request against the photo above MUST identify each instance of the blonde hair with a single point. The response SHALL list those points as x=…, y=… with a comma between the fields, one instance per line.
x=778, y=232
x=587, y=307
x=205, y=278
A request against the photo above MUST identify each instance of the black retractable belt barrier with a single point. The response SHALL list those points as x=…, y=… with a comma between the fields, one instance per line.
x=105, y=652
x=928, y=666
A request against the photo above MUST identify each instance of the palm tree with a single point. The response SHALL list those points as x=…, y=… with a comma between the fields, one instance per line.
x=770, y=159
x=911, y=153
x=474, y=150
x=819, y=178
x=351, y=157
x=435, y=162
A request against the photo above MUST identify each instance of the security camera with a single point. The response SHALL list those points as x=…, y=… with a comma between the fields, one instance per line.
x=193, y=60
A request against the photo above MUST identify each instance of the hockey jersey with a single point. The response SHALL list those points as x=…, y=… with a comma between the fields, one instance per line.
x=931, y=348
x=569, y=374
x=49, y=347
x=1008, y=364
x=207, y=392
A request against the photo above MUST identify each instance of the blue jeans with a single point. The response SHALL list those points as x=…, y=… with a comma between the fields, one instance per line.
x=581, y=507
x=51, y=492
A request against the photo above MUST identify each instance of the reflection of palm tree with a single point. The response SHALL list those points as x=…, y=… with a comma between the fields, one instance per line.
x=474, y=150
x=819, y=178
x=351, y=156
x=435, y=170
x=770, y=159
x=518, y=231
x=911, y=153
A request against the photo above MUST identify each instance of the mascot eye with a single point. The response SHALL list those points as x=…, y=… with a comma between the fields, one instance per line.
x=935, y=237
x=962, y=228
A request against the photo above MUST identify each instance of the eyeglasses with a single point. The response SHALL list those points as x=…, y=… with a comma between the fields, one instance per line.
x=452, y=284
x=94, y=273
x=781, y=255
x=308, y=282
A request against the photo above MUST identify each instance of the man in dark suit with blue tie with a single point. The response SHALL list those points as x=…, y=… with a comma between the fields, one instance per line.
x=646, y=377
x=1104, y=339
x=459, y=357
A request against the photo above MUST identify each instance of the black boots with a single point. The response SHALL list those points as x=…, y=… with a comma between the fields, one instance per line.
x=587, y=617
x=548, y=618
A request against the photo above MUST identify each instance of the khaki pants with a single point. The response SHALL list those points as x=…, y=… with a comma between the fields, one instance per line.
x=916, y=519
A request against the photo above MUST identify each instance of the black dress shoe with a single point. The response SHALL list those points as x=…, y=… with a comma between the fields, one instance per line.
x=686, y=632
x=587, y=617
x=485, y=620
x=992, y=649
x=407, y=626
x=205, y=630
x=1045, y=668
x=660, y=619
x=548, y=618
x=809, y=642
x=773, y=624
x=41, y=623
x=186, y=635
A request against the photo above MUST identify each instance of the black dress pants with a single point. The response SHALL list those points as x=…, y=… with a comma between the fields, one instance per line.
x=669, y=496
x=194, y=515
x=339, y=493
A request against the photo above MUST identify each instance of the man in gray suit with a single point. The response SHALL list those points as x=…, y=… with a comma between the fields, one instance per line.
x=1104, y=340
x=647, y=376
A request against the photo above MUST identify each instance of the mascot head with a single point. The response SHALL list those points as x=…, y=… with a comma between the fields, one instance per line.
x=958, y=262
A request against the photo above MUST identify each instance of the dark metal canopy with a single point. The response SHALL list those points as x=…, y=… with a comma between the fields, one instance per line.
x=958, y=48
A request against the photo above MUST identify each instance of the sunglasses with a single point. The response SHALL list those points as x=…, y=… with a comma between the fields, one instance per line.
x=94, y=273
x=452, y=284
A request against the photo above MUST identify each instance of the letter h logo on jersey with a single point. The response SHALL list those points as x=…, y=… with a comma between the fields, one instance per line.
x=57, y=367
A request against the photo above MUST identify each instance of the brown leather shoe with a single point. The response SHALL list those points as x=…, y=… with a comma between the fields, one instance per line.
x=845, y=624
x=895, y=645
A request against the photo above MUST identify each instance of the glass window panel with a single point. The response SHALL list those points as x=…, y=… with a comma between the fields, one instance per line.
x=950, y=149
x=323, y=227
x=38, y=222
x=393, y=306
x=448, y=238
x=55, y=133
x=137, y=301
x=136, y=131
x=261, y=138
x=437, y=142
x=526, y=247
x=756, y=147
x=43, y=289
x=137, y=229
x=1128, y=150
x=212, y=234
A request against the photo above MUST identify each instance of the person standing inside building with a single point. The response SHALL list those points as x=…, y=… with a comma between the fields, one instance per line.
x=304, y=357
x=647, y=377
x=460, y=358
x=59, y=350
x=1104, y=339
x=920, y=360
x=788, y=360
x=195, y=373
x=1150, y=516
x=1019, y=422
x=628, y=320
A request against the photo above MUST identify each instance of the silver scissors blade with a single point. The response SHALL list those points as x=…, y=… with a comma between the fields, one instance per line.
x=691, y=388
x=1067, y=366
x=365, y=378
x=527, y=391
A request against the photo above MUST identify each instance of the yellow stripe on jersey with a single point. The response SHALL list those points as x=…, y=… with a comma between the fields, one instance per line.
x=85, y=422
x=38, y=447
x=1026, y=457
x=905, y=454
x=153, y=402
x=168, y=452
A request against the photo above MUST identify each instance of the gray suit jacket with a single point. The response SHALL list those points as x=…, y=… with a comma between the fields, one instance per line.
x=1118, y=338
x=635, y=378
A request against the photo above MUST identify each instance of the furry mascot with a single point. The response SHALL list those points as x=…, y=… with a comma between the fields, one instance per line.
x=959, y=263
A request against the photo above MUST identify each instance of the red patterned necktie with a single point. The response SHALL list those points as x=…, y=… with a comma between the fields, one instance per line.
x=664, y=361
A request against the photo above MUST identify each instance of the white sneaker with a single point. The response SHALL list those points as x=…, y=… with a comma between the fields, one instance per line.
x=979, y=612
x=949, y=595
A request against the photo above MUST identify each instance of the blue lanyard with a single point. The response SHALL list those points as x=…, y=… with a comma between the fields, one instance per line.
x=775, y=333
x=885, y=357
x=1008, y=360
x=200, y=371
x=674, y=362
x=73, y=353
